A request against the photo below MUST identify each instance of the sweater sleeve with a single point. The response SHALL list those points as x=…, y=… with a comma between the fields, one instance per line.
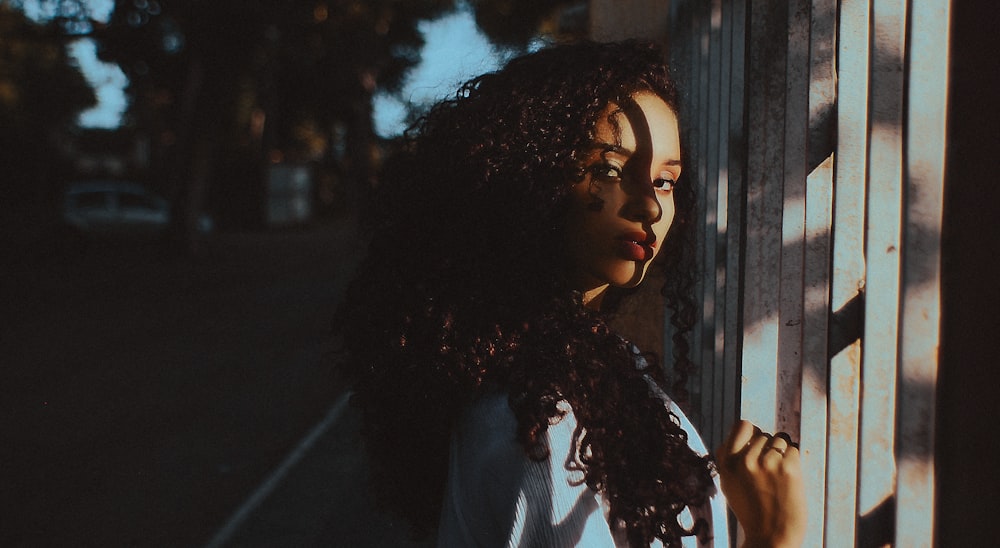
x=496, y=496
x=714, y=512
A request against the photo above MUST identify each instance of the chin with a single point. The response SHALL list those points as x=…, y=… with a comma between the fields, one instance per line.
x=630, y=279
x=631, y=284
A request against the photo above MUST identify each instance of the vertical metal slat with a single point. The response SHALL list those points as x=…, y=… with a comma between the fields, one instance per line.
x=878, y=404
x=848, y=270
x=765, y=140
x=707, y=184
x=793, y=219
x=699, y=75
x=920, y=306
x=816, y=261
x=715, y=224
x=736, y=177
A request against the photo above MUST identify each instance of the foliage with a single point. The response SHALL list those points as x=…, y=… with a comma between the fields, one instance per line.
x=226, y=86
x=292, y=60
x=515, y=23
x=41, y=93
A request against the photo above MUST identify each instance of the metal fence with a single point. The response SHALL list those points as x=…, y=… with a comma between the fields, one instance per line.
x=817, y=135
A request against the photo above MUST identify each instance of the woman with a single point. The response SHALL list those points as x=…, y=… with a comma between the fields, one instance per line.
x=498, y=405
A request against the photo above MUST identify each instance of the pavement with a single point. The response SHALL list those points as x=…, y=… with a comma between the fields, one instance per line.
x=318, y=497
x=147, y=399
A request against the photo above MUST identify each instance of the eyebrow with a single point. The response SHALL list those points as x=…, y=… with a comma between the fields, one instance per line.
x=618, y=149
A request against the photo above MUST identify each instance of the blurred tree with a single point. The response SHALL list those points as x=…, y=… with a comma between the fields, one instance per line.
x=41, y=93
x=324, y=68
x=229, y=85
x=224, y=87
x=515, y=23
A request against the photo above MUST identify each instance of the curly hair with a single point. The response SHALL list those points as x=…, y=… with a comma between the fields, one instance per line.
x=465, y=289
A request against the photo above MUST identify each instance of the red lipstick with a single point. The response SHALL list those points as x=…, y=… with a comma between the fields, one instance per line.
x=636, y=246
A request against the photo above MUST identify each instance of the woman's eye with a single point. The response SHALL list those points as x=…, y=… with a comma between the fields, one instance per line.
x=607, y=171
x=664, y=183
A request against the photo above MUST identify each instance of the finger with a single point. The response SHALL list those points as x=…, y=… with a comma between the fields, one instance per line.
x=778, y=444
x=790, y=466
x=756, y=446
x=792, y=455
x=786, y=437
x=773, y=452
x=739, y=438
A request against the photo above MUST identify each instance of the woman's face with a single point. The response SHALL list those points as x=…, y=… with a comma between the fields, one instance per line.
x=621, y=211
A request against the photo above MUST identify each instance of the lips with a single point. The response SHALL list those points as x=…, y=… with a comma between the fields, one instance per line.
x=636, y=246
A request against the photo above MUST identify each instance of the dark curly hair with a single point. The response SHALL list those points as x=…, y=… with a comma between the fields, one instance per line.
x=465, y=289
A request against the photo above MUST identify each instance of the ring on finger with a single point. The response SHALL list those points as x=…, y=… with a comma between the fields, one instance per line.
x=779, y=443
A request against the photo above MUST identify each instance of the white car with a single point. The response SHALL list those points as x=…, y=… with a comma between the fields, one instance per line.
x=114, y=208
x=118, y=208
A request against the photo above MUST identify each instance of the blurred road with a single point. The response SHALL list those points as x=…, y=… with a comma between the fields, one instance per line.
x=145, y=396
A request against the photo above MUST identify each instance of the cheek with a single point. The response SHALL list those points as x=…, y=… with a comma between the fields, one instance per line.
x=666, y=217
x=662, y=227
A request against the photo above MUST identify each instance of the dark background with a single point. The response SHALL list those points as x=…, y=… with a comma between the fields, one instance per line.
x=144, y=396
x=969, y=381
x=146, y=390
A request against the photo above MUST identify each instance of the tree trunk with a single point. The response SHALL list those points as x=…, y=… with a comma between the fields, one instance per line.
x=190, y=172
x=359, y=147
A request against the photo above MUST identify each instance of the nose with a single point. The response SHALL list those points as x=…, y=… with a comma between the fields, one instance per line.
x=643, y=205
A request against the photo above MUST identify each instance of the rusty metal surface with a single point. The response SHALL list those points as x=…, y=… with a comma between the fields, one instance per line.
x=921, y=300
x=882, y=250
x=817, y=244
x=820, y=241
x=764, y=202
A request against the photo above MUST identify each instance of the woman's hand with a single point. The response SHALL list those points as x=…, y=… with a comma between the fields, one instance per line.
x=762, y=479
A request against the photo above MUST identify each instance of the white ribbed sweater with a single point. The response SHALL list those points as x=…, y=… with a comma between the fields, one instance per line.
x=497, y=497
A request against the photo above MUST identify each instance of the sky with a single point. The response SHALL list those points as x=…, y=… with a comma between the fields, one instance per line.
x=107, y=79
x=108, y=82
x=455, y=51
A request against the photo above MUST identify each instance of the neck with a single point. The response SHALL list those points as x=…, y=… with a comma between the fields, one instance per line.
x=592, y=298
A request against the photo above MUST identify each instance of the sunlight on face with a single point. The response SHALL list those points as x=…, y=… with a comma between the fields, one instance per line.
x=622, y=210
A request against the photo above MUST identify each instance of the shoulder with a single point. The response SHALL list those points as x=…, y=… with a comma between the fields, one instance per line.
x=497, y=496
x=486, y=467
x=713, y=512
x=487, y=456
x=485, y=441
